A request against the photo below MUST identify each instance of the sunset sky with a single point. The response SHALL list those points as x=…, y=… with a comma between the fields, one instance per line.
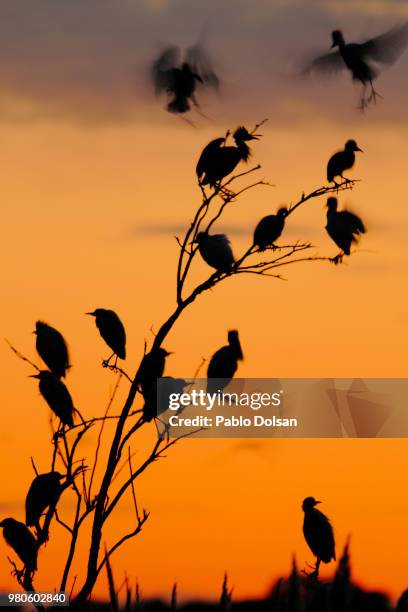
x=97, y=179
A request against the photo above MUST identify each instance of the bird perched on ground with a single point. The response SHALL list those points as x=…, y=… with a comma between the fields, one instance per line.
x=180, y=78
x=341, y=161
x=52, y=348
x=269, y=229
x=57, y=396
x=151, y=368
x=112, y=331
x=22, y=541
x=343, y=227
x=217, y=160
x=318, y=533
x=359, y=58
x=216, y=250
x=224, y=363
x=44, y=491
x=158, y=402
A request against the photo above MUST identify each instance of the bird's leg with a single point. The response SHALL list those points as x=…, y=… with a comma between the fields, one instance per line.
x=373, y=95
x=105, y=362
x=338, y=259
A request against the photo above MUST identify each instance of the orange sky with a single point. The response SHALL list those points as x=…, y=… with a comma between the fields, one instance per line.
x=88, y=218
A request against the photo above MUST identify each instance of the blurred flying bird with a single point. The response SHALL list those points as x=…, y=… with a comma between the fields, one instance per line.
x=359, y=58
x=180, y=78
x=44, y=491
x=269, y=229
x=341, y=161
x=343, y=227
x=112, y=331
x=157, y=403
x=224, y=363
x=215, y=250
x=57, y=396
x=22, y=541
x=52, y=348
x=318, y=534
x=151, y=368
x=217, y=160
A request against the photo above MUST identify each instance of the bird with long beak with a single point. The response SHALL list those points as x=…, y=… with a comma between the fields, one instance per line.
x=318, y=534
x=360, y=58
x=218, y=160
x=56, y=395
x=112, y=331
x=341, y=161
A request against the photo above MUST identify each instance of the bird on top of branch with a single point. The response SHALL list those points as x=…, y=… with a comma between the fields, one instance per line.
x=341, y=161
x=224, y=363
x=52, y=348
x=318, y=534
x=112, y=331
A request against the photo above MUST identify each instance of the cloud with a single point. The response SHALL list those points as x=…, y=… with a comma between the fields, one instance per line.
x=88, y=61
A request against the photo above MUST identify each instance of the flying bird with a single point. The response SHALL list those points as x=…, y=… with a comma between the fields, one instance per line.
x=56, y=395
x=151, y=368
x=179, y=78
x=112, y=331
x=52, y=348
x=22, y=541
x=44, y=491
x=343, y=227
x=224, y=363
x=218, y=160
x=157, y=403
x=341, y=161
x=318, y=534
x=216, y=251
x=362, y=59
x=269, y=229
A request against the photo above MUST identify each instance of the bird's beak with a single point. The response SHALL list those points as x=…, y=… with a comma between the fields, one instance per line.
x=318, y=502
x=255, y=136
x=90, y=313
x=361, y=150
x=34, y=376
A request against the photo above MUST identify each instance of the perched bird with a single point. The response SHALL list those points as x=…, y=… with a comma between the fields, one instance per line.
x=343, y=227
x=157, y=403
x=44, y=491
x=341, y=161
x=217, y=160
x=57, y=396
x=22, y=541
x=180, y=78
x=112, y=331
x=52, y=348
x=359, y=58
x=269, y=229
x=151, y=368
x=318, y=533
x=224, y=363
x=215, y=250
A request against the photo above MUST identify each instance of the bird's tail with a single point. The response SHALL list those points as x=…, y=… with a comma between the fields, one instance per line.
x=179, y=104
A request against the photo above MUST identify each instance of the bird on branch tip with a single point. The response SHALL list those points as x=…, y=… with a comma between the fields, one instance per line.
x=269, y=229
x=343, y=227
x=22, y=541
x=216, y=251
x=361, y=58
x=52, y=348
x=341, y=161
x=44, y=491
x=318, y=534
x=112, y=331
x=179, y=78
x=56, y=395
x=218, y=159
x=224, y=363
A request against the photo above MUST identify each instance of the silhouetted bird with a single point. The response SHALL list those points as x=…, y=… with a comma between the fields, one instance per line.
x=112, y=331
x=44, y=491
x=269, y=229
x=215, y=250
x=179, y=79
x=224, y=363
x=341, y=161
x=218, y=160
x=359, y=57
x=151, y=368
x=52, y=348
x=343, y=227
x=56, y=395
x=155, y=404
x=318, y=533
x=22, y=541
